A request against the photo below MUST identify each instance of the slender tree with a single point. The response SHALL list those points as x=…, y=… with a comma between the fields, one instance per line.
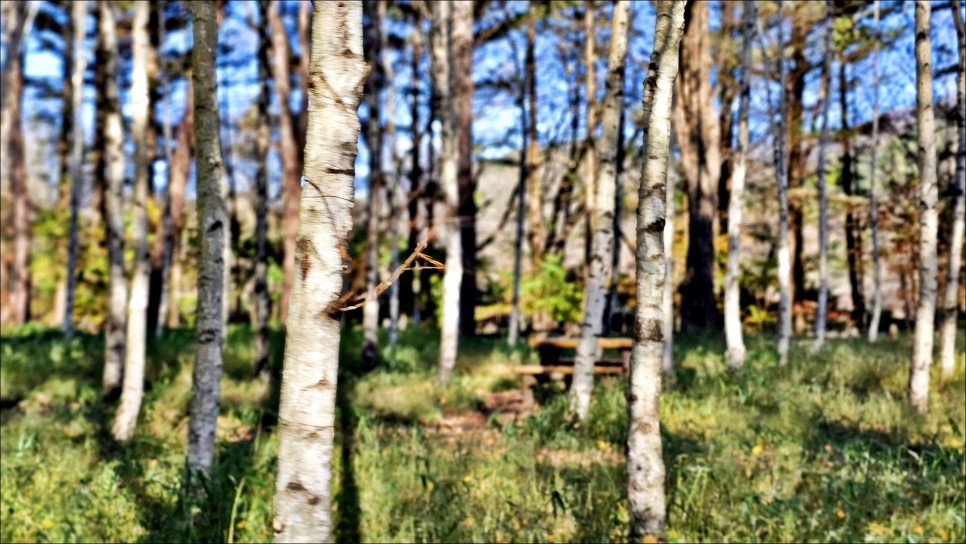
x=398, y=216
x=409, y=288
x=213, y=226
x=873, y=199
x=698, y=139
x=373, y=133
x=262, y=138
x=112, y=173
x=947, y=327
x=821, y=311
x=732, y=310
x=307, y=411
x=13, y=175
x=784, y=256
x=288, y=152
x=79, y=21
x=461, y=42
x=599, y=267
x=590, y=84
x=532, y=151
x=521, y=203
x=645, y=464
x=136, y=341
x=164, y=228
x=448, y=228
x=180, y=168
x=928, y=216
x=65, y=150
x=853, y=238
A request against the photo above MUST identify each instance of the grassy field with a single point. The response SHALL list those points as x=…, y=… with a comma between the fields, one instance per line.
x=824, y=449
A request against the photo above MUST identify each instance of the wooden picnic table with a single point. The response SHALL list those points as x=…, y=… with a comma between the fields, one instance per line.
x=552, y=365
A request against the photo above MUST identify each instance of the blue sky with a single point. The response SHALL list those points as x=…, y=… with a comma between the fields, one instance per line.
x=496, y=116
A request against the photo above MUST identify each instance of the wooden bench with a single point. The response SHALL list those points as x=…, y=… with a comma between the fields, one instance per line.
x=557, y=368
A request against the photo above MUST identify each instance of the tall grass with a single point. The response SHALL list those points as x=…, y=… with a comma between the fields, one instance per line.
x=824, y=449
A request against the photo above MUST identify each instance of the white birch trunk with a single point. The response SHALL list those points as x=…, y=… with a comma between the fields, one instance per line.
x=599, y=267
x=133, y=389
x=645, y=464
x=873, y=201
x=732, y=305
x=448, y=227
x=337, y=71
x=213, y=228
x=113, y=203
x=79, y=20
x=821, y=311
x=947, y=328
x=928, y=216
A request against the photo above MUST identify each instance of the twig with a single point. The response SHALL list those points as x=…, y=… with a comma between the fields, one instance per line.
x=360, y=300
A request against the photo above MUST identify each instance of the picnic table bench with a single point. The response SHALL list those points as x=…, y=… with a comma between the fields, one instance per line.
x=555, y=367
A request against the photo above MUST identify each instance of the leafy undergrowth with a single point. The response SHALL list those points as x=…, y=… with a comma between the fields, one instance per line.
x=824, y=449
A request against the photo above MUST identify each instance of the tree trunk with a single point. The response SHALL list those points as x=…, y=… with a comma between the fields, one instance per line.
x=64, y=180
x=873, y=171
x=599, y=267
x=928, y=217
x=13, y=176
x=408, y=286
x=307, y=411
x=164, y=229
x=534, y=192
x=793, y=106
x=784, y=256
x=610, y=305
x=462, y=74
x=821, y=311
x=947, y=328
x=698, y=139
x=853, y=239
x=213, y=229
x=180, y=168
x=645, y=464
x=373, y=133
x=79, y=65
x=288, y=153
x=590, y=183
x=262, y=139
x=111, y=169
x=448, y=228
x=732, y=306
x=133, y=390
x=513, y=333
x=398, y=219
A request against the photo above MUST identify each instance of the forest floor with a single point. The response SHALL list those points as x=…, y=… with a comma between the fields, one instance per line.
x=824, y=449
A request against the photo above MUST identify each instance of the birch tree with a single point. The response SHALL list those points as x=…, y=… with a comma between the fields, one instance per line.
x=213, y=228
x=732, y=309
x=79, y=21
x=337, y=71
x=821, y=311
x=113, y=183
x=947, y=327
x=873, y=199
x=928, y=216
x=645, y=464
x=448, y=226
x=262, y=140
x=137, y=306
x=599, y=267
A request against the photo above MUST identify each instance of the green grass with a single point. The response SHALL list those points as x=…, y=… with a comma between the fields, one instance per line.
x=825, y=449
